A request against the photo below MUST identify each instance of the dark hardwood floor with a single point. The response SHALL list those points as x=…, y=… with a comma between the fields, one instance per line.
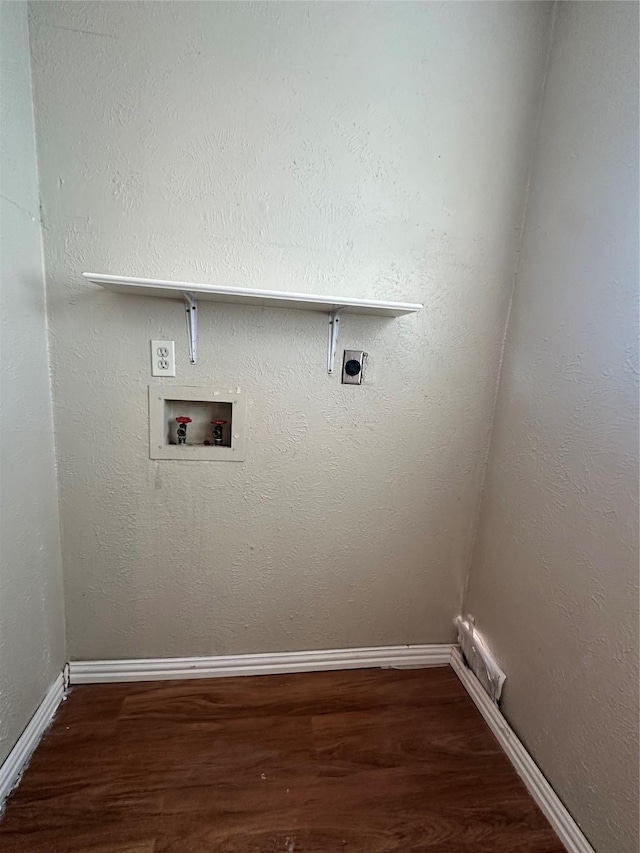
x=364, y=761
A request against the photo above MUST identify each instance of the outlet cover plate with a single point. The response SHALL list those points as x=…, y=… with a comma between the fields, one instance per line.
x=353, y=363
x=163, y=358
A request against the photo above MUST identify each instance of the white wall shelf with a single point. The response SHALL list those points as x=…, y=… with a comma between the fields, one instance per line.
x=191, y=293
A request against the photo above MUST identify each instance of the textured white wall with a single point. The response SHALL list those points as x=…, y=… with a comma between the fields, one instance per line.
x=365, y=149
x=32, y=648
x=554, y=582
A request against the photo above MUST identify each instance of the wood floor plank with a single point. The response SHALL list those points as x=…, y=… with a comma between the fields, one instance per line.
x=413, y=737
x=368, y=761
x=382, y=810
x=291, y=695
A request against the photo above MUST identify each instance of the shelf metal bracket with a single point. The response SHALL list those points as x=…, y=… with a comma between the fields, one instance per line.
x=191, y=308
x=332, y=342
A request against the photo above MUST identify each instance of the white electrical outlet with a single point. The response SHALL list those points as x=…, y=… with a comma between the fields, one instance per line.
x=163, y=358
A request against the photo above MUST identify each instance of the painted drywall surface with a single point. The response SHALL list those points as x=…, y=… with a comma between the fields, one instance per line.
x=32, y=644
x=554, y=581
x=373, y=150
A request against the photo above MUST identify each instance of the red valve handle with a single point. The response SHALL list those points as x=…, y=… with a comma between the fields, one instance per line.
x=219, y=423
x=183, y=420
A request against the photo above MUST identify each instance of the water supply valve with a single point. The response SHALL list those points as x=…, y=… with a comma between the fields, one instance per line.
x=217, y=432
x=182, y=422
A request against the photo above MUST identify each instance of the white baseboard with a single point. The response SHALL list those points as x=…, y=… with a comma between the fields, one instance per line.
x=159, y=669
x=19, y=756
x=548, y=801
